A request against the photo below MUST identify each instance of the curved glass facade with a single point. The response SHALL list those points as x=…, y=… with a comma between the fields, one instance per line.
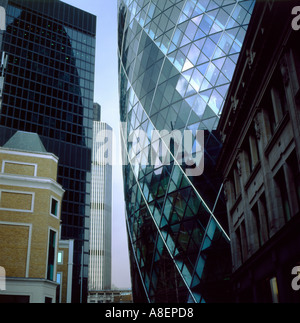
x=176, y=61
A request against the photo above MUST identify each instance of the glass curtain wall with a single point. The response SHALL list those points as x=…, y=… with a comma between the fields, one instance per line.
x=176, y=61
x=48, y=88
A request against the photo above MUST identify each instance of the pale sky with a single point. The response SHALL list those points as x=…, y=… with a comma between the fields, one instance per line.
x=106, y=94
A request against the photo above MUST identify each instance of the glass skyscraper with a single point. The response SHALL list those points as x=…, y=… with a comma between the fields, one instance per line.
x=48, y=57
x=176, y=61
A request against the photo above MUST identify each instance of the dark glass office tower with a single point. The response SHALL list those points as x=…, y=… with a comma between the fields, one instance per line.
x=48, y=52
x=176, y=62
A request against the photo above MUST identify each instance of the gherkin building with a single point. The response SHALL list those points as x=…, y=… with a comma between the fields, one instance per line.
x=176, y=62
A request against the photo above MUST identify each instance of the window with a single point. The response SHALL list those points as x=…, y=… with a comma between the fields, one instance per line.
x=275, y=103
x=51, y=255
x=282, y=190
x=248, y=161
x=253, y=143
x=236, y=183
x=257, y=224
x=274, y=290
x=251, y=150
x=59, y=278
x=264, y=215
x=293, y=166
x=244, y=241
x=241, y=244
x=260, y=220
x=271, y=119
x=278, y=95
x=54, y=207
x=60, y=257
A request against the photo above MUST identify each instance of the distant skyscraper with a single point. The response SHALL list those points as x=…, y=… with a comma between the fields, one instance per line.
x=101, y=209
x=48, y=89
x=176, y=61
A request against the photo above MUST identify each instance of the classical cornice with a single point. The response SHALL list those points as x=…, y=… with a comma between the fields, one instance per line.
x=28, y=154
x=32, y=183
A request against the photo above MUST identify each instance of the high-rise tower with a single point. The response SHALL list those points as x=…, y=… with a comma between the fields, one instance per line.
x=176, y=61
x=48, y=51
x=101, y=208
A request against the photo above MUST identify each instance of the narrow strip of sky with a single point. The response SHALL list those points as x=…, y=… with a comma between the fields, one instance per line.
x=106, y=94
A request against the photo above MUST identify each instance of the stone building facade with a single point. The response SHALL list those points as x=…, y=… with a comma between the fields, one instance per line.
x=260, y=127
x=30, y=204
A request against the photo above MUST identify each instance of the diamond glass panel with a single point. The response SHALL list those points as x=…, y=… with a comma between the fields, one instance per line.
x=177, y=58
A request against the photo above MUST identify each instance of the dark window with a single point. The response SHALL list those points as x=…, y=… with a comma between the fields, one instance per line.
x=279, y=95
x=251, y=149
x=241, y=243
x=54, y=207
x=282, y=189
x=236, y=183
x=293, y=165
x=257, y=224
x=275, y=103
x=264, y=215
x=51, y=255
